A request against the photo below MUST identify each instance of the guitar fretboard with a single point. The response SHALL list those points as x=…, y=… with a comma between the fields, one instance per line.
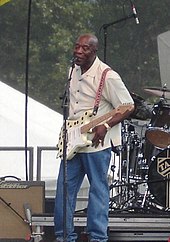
x=121, y=109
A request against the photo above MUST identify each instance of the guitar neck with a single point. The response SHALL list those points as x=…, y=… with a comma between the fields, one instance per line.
x=121, y=109
x=85, y=128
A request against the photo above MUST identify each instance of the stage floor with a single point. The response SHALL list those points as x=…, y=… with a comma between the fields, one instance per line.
x=122, y=227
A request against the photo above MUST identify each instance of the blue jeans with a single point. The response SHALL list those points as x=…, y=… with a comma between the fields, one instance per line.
x=96, y=166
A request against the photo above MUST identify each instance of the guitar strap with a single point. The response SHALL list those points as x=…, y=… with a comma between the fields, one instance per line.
x=99, y=91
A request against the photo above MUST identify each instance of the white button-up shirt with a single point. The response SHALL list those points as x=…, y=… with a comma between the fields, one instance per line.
x=83, y=89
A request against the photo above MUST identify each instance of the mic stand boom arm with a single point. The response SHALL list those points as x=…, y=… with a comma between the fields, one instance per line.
x=105, y=26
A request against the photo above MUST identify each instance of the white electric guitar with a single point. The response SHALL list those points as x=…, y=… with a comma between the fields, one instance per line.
x=77, y=130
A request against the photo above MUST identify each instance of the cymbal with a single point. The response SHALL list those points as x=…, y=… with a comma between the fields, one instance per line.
x=158, y=91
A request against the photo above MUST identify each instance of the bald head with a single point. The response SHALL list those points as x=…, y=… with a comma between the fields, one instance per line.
x=85, y=51
x=92, y=40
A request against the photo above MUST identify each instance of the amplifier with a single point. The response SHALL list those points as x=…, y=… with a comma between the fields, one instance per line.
x=18, y=200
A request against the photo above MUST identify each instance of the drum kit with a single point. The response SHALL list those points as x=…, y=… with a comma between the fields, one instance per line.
x=143, y=175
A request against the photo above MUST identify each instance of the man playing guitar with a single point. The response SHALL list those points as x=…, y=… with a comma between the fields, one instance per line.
x=94, y=130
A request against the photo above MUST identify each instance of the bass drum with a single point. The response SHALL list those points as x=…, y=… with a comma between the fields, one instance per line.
x=159, y=178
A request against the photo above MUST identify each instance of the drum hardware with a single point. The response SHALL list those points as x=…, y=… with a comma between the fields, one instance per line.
x=116, y=169
x=130, y=140
x=128, y=195
x=116, y=200
x=137, y=202
x=158, y=131
x=138, y=168
x=113, y=168
x=157, y=109
x=142, y=111
x=134, y=201
x=145, y=197
x=134, y=170
x=133, y=162
x=122, y=187
x=158, y=91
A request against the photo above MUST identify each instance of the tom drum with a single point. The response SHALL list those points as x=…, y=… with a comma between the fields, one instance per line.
x=158, y=132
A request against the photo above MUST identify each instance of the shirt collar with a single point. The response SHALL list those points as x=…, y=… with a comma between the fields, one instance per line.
x=92, y=69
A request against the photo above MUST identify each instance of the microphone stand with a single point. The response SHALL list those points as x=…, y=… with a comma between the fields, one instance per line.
x=65, y=106
x=105, y=26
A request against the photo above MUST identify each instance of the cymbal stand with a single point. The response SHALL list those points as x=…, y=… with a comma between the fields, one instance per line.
x=127, y=142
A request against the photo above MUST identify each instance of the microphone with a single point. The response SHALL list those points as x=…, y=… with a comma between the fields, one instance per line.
x=28, y=213
x=73, y=60
x=134, y=13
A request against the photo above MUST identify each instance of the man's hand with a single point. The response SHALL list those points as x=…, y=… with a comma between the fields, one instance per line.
x=99, y=135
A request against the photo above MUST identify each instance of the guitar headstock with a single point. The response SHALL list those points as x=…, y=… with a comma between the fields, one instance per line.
x=125, y=107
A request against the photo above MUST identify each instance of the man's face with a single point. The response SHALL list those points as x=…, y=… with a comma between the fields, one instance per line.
x=84, y=51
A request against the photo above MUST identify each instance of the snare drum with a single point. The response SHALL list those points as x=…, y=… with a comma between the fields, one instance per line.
x=159, y=178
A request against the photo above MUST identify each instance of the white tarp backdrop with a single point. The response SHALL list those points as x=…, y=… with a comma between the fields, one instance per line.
x=43, y=129
x=164, y=57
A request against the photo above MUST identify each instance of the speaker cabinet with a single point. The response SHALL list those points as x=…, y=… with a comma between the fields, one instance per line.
x=17, y=199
